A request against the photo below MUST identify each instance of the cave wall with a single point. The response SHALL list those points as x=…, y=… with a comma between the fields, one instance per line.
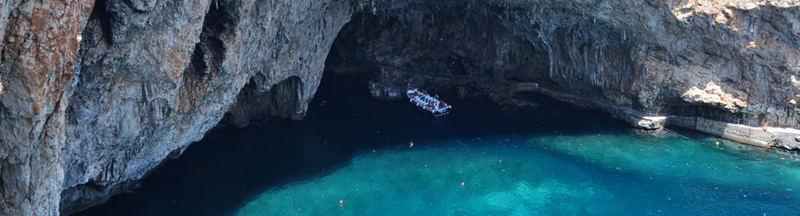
x=433, y=48
x=284, y=100
x=95, y=94
x=156, y=76
x=39, y=50
x=86, y=112
x=732, y=61
x=661, y=56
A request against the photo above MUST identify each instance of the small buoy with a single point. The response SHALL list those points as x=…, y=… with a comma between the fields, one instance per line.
x=717, y=143
x=462, y=183
x=411, y=144
x=341, y=202
x=783, y=158
x=764, y=127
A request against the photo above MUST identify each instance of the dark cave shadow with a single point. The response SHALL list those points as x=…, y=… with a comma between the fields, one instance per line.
x=230, y=166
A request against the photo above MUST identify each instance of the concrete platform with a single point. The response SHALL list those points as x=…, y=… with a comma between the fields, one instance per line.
x=785, y=138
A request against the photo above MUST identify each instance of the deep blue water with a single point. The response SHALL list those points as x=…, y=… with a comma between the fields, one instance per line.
x=554, y=159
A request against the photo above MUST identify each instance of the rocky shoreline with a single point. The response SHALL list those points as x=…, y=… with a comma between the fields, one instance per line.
x=778, y=137
x=95, y=94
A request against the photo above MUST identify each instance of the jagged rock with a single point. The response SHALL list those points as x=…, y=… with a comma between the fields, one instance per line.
x=152, y=76
x=39, y=51
x=639, y=55
x=713, y=95
x=158, y=84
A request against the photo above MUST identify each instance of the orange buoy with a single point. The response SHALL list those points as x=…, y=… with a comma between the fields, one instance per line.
x=764, y=127
x=341, y=202
x=462, y=183
x=783, y=158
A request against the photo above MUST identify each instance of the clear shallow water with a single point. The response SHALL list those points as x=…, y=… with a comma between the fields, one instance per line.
x=552, y=160
x=606, y=175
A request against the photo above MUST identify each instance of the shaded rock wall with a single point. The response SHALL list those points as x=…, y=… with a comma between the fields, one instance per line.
x=254, y=102
x=156, y=76
x=98, y=93
x=150, y=77
x=732, y=61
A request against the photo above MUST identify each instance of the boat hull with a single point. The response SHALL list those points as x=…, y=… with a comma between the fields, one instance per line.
x=434, y=114
x=427, y=103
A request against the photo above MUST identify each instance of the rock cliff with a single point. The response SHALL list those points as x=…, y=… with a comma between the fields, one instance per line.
x=95, y=94
x=39, y=53
x=732, y=61
x=155, y=76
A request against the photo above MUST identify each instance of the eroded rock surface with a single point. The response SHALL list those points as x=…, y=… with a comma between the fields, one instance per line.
x=156, y=76
x=713, y=95
x=95, y=94
x=654, y=57
x=39, y=52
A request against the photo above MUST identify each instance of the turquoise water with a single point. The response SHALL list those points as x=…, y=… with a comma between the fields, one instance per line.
x=553, y=175
x=551, y=159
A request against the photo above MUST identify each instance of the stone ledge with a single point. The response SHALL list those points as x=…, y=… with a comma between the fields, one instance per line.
x=785, y=138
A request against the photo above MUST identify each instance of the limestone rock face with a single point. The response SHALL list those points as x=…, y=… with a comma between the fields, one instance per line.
x=150, y=77
x=713, y=95
x=95, y=94
x=153, y=82
x=649, y=56
x=39, y=50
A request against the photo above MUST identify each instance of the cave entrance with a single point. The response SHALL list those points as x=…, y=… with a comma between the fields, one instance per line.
x=458, y=55
x=255, y=101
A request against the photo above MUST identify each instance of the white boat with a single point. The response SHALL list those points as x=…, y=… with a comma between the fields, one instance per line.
x=428, y=103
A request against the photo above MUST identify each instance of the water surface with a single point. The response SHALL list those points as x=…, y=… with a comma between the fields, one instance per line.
x=553, y=159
